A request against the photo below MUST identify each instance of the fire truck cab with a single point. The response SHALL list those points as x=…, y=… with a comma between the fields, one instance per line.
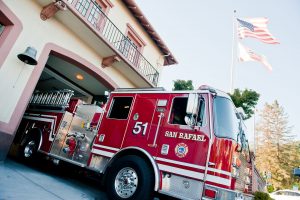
x=184, y=144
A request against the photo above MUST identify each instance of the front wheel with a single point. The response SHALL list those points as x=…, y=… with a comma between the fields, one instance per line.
x=29, y=149
x=130, y=177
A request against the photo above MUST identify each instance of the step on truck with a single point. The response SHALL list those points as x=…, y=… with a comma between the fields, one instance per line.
x=183, y=144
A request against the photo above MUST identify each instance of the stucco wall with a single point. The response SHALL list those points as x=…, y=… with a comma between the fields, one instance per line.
x=120, y=16
x=37, y=33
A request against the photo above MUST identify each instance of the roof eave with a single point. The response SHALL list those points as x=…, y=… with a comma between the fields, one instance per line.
x=169, y=58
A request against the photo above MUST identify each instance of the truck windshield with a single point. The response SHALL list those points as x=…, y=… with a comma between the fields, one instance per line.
x=226, y=123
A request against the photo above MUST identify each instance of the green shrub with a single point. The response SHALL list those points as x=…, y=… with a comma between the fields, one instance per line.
x=270, y=188
x=261, y=196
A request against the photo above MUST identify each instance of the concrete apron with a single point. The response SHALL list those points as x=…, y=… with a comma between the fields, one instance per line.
x=18, y=181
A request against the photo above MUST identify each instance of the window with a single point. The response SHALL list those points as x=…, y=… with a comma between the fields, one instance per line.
x=132, y=51
x=129, y=49
x=124, y=46
x=120, y=107
x=10, y=29
x=131, y=45
x=226, y=123
x=1, y=28
x=178, y=111
x=294, y=194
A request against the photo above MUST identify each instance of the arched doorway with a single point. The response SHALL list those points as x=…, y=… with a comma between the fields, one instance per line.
x=67, y=70
x=58, y=69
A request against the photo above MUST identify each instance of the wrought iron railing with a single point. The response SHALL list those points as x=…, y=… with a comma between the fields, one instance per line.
x=91, y=10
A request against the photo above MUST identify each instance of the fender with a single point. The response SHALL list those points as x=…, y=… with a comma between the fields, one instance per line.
x=137, y=150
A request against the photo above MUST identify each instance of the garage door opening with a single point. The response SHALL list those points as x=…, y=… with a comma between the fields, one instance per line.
x=59, y=74
x=67, y=100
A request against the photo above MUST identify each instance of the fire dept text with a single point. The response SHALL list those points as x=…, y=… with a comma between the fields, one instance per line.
x=185, y=136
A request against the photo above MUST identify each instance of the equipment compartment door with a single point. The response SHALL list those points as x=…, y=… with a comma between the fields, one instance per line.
x=142, y=124
x=61, y=134
x=76, y=135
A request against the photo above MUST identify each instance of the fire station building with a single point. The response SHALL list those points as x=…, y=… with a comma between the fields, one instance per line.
x=88, y=46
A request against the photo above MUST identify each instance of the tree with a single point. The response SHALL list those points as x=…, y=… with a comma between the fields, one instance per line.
x=183, y=85
x=276, y=154
x=247, y=99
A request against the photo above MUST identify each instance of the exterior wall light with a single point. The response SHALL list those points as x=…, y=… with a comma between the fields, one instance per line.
x=79, y=77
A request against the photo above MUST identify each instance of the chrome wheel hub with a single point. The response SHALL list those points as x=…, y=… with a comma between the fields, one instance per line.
x=126, y=182
x=28, y=151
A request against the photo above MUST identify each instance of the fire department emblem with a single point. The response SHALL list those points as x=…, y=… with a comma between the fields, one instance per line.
x=181, y=150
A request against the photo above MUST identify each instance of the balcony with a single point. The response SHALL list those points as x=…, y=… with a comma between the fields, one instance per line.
x=89, y=22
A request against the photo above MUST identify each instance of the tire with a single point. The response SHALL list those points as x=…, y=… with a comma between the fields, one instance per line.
x=129, y=178
x=29, y=149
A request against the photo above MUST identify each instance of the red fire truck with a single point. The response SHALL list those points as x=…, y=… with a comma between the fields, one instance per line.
x=184, y=144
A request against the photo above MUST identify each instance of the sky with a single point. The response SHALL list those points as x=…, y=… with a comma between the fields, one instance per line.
x=199, y=33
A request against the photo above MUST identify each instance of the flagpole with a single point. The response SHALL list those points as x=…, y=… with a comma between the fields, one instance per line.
x=233, y=52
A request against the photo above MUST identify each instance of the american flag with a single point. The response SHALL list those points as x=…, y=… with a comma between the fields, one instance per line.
x=246, y=54
x=256, y=28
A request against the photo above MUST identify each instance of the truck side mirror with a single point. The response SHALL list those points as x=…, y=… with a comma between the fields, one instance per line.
x=106, y=94
x=191, y=109
x=190, y=120
x=192, y=104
